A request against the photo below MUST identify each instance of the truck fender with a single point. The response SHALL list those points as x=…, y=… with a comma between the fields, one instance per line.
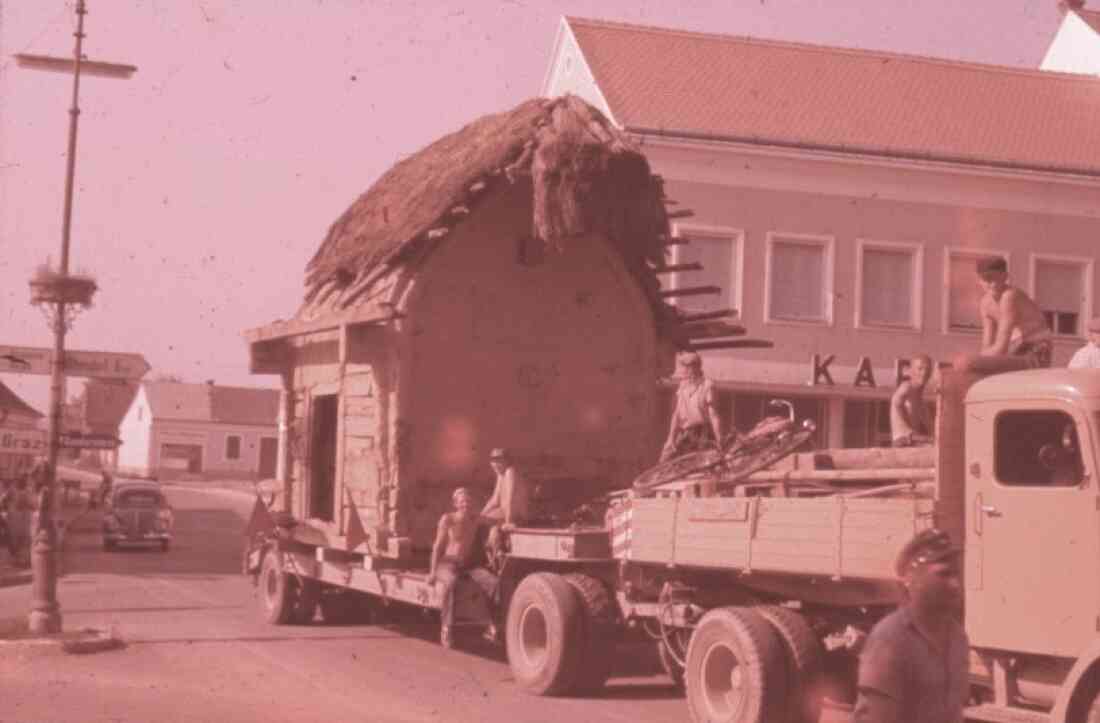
x=1086, y=662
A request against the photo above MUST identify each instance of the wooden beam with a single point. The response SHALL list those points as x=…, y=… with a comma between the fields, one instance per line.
x=693, y=266
x=732, y=344
x=676, y=241
x=707, y=316
x=713, y=330
x=682, y=213
x=691, y=291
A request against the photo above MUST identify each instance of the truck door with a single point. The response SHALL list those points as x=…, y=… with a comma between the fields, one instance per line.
x=1032, y=535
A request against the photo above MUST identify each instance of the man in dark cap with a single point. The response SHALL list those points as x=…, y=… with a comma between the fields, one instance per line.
x=1088, y=356
x=1015, y=333
x=913, y=668
x=695, y=424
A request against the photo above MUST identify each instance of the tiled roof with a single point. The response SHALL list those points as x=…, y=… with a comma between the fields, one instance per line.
x=11, y=403
x=211, y=403
x=1091, y=17
x=788, y=94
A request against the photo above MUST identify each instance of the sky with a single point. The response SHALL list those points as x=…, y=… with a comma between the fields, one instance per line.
x=206, y=181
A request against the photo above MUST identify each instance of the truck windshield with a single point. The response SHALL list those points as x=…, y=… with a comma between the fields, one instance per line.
x=1037, y=447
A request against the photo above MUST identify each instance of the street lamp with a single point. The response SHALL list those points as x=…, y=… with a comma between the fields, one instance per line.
x=60, y=295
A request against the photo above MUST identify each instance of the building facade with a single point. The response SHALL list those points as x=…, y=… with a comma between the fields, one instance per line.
x=840, y=198
x=174, y=430
x=22, y=438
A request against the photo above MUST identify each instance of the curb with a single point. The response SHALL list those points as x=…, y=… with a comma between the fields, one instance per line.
x=81, y=642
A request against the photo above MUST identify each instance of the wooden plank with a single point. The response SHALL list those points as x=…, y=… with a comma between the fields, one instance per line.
x=359, y=385
x=707, y=316
x=732, y=344
x=361, y=427
x=362, y=407
x=690, y=291
x=675, y=268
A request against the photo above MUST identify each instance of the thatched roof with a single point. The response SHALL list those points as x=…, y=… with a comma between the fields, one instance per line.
x=586, y=176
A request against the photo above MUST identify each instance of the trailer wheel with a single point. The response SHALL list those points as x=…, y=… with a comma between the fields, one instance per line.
x=544, y=631
x=804, y=662
x=599, y=636
x=283, y=599
x=344, y=607
x=735, y=669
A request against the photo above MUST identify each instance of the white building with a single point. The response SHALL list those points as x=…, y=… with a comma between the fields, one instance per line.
x=841, y=198
x=175, y=430
x=1076, y=45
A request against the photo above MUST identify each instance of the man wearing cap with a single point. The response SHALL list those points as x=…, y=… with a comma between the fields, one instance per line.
x=1015, y=334
x=695, y=424
x=1088, y=356
x=510, y=503
x=913, y=667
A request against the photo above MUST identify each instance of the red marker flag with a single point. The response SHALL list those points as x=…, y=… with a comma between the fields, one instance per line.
x=357, y=534
x=260, y=521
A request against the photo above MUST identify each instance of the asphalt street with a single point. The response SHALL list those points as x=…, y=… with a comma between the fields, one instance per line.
x=196, y=649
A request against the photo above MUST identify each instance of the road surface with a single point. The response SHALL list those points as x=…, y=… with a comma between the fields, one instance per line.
x=197, y=651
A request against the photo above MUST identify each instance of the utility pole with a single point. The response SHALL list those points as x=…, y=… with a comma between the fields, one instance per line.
x=61, y=296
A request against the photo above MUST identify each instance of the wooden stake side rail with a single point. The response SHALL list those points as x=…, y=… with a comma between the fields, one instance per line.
x=389, y=584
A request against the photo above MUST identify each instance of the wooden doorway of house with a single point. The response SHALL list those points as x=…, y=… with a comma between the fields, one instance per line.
x=269, y=457
x=322, y=463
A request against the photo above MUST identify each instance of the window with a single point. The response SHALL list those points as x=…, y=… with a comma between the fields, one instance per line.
x=866, y=423
x=718, y=251
x=799, y=278
x=1060, y=286
x=889, y=285
x=962, y=294
x=232, y=447
x=1037, y=448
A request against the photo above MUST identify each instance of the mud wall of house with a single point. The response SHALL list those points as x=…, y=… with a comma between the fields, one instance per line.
x=550, y=353
x=315, y=371
x=366, y=397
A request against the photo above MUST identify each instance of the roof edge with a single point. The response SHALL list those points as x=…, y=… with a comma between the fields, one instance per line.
x=607, y=109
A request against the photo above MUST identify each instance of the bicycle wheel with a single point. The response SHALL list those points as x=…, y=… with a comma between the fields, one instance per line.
x=677, y=468
x=757, y=457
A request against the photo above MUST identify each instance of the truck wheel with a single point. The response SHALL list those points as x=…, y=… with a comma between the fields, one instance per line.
x=599, y=636
x=544, y=628
x=804, y=662
x=736, y=669
x=283, y=599
x=344, y=607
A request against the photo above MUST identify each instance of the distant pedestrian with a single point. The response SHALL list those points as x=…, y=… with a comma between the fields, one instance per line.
x=910, y=422
x=20, y=507
x=914, y=665
x=1088, y=356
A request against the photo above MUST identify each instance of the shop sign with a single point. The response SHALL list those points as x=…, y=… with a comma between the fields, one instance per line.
x=864, y=376
x=22, y=441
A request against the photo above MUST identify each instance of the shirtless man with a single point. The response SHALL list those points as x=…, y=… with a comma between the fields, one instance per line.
x=1015, y=334
x=452, y=556
x=909, y=421
x=510, y=503
x=695, y=424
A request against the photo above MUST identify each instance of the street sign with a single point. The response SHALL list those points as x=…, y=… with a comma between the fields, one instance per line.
x=22, y=441
x=76, y=440
x=98, y=364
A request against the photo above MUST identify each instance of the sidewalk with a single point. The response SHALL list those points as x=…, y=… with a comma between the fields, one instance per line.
x=69, y=514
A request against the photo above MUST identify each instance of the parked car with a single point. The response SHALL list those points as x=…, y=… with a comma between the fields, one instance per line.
x=136, y=513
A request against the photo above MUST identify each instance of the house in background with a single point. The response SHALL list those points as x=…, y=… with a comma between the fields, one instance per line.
x=174, y=430
x=99, y=410
x=1076, y=45
x=842, y=196
x=22, y=437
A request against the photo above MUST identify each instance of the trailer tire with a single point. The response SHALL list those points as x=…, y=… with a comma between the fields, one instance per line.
x=599, y=635
x=344, y=607
x=283, y=597
x=735, y=669
x=543, y=632
x=805, y=666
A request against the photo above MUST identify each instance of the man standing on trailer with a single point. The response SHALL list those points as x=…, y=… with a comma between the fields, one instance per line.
x=453, y=556
x=695, y=423
x=910, y=423
x=913, y=668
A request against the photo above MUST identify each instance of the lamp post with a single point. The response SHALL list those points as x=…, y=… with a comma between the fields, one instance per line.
x=60, y=295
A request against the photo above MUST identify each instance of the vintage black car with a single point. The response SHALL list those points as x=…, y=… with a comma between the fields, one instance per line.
x=136, y=513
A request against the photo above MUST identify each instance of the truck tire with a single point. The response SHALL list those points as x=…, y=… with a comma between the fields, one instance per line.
x=344, y=607
x=599, y=636
x=283, y=599
x=543, y=632
x=805, y=665
x=736, y=669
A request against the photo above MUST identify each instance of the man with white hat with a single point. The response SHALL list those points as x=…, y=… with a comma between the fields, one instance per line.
x=1088, y=356
x=695, y=424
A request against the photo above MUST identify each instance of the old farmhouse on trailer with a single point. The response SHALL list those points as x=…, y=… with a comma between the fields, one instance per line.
x=496, y=289
x=175, y=430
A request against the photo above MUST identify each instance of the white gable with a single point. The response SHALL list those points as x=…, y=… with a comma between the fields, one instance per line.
x=1075, y=48
x=569, y=73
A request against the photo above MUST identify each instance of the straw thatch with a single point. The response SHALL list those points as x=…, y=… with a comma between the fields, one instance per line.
x=585, y=175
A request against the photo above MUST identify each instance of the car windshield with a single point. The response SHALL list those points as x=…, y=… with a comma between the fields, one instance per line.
x=138, y=498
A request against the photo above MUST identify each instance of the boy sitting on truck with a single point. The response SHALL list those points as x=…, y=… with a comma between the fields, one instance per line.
x=510, y=503
x=453, y=555
x=909, y=419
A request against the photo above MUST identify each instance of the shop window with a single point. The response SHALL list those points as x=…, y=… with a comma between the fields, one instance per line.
x=1060, y=286
x=798, y=278
x=866, y=423
x=232, y=447
x=889, y=285
x=1037, y=448
x=718, y=251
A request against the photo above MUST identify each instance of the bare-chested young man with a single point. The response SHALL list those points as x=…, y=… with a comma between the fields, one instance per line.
x=910, y=423
x=1015, y=334
x=453, y=555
